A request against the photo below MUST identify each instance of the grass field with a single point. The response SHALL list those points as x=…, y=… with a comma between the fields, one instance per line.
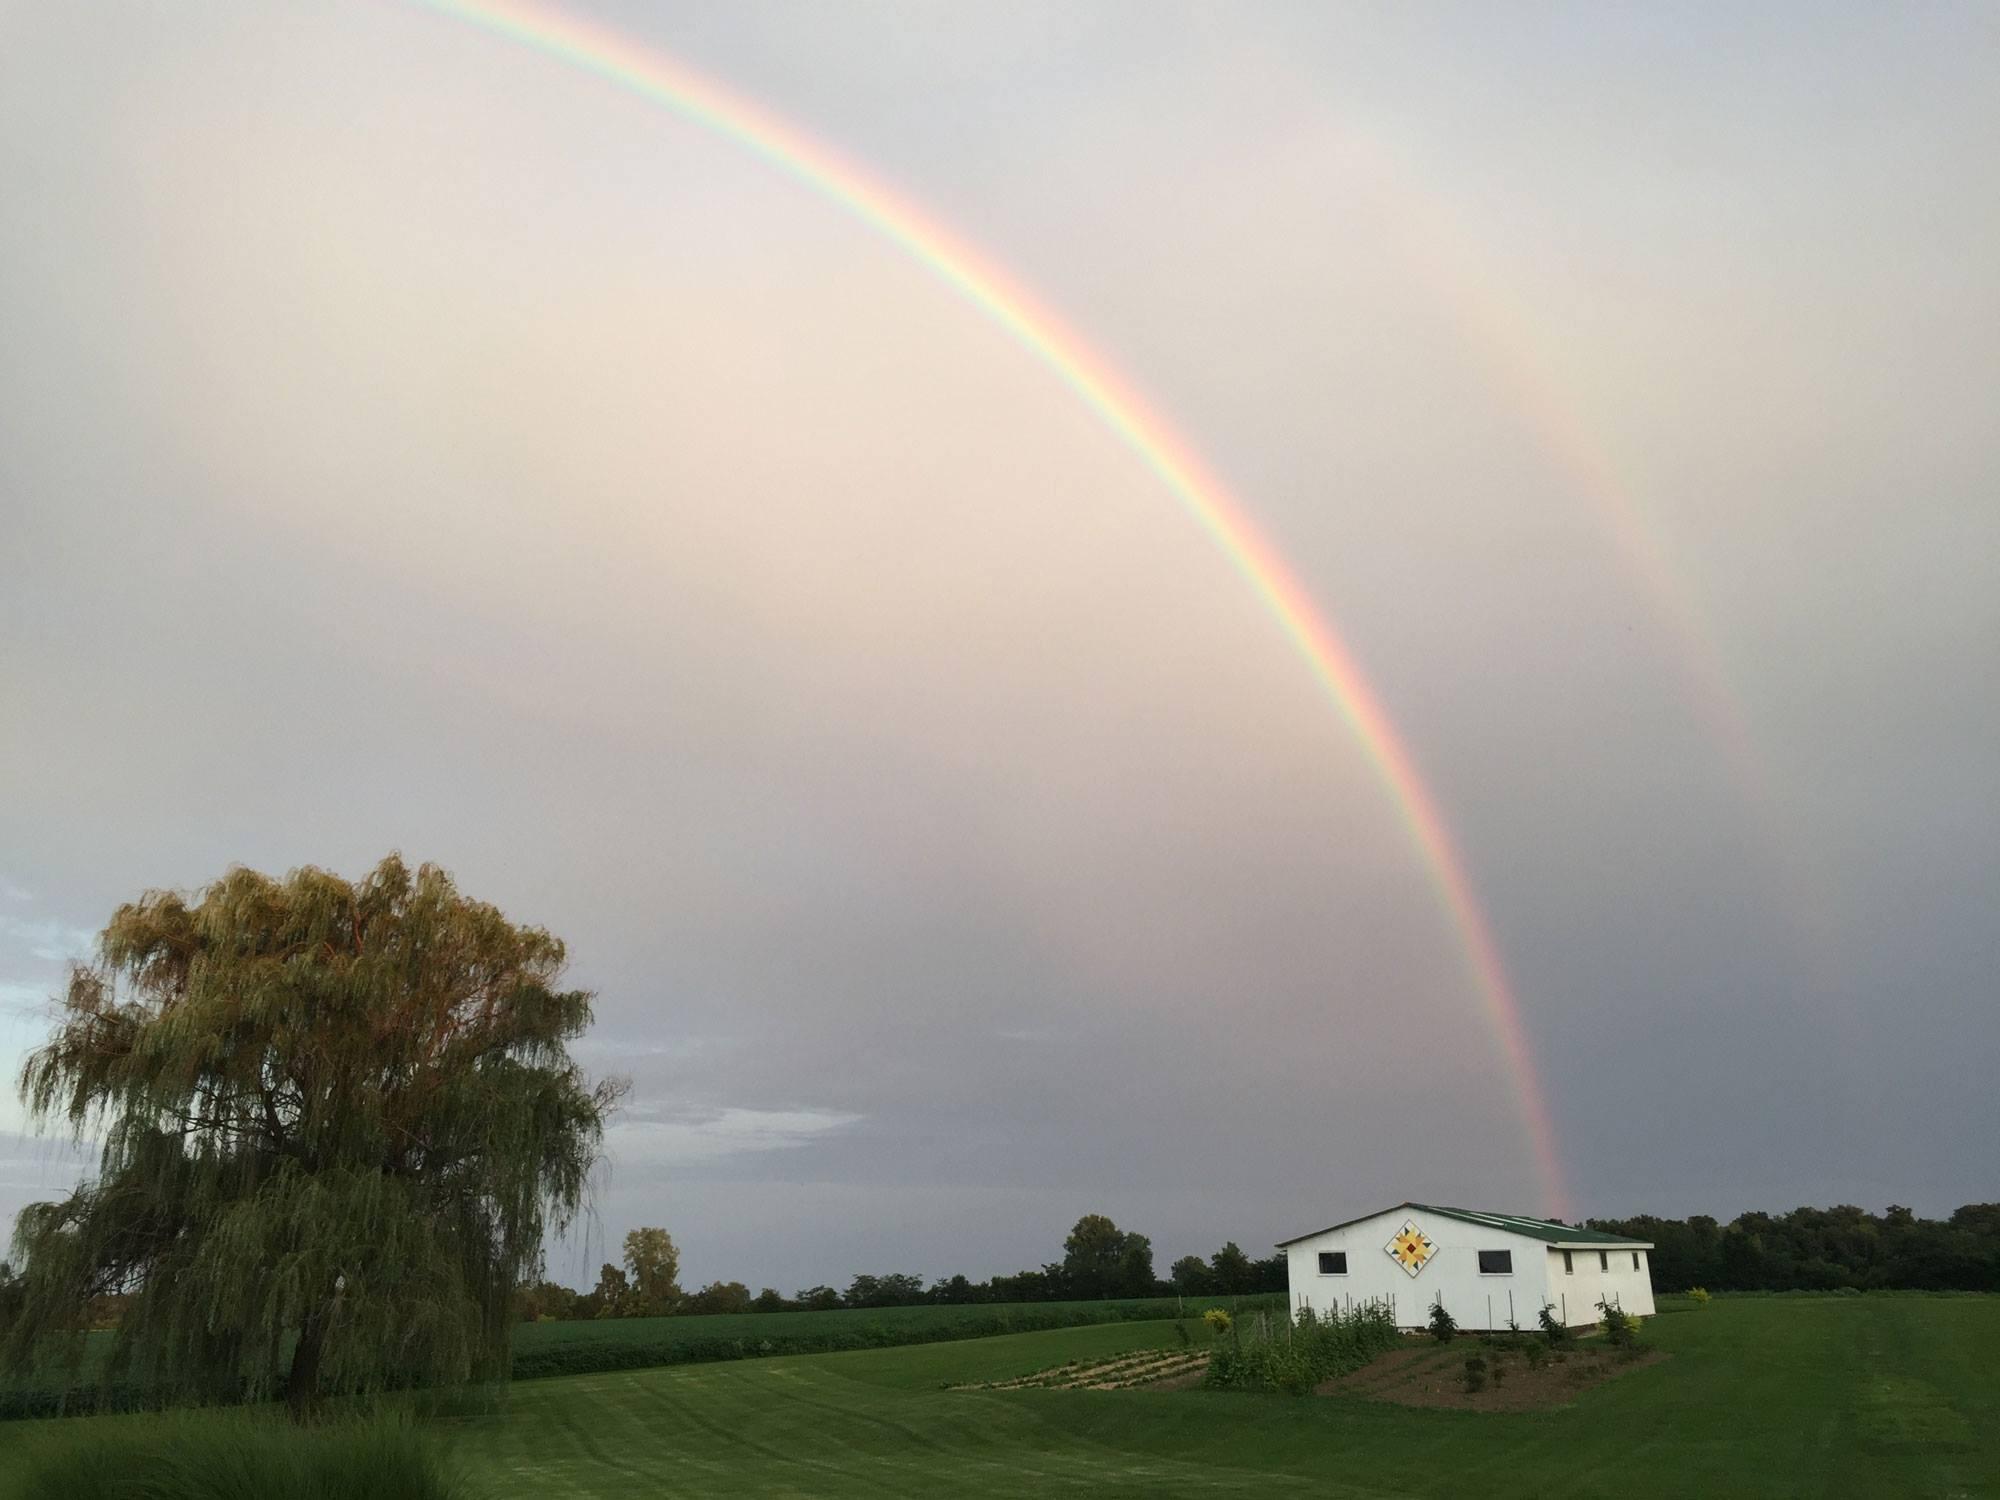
x=1855, y=1396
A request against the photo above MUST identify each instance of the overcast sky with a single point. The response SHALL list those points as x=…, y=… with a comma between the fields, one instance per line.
x=408, y=441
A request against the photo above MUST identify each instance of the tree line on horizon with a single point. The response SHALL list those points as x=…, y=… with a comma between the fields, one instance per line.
x=1099, y=1261
x=1823, y=1250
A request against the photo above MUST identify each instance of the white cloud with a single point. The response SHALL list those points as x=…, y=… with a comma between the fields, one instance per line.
x=725, y=1132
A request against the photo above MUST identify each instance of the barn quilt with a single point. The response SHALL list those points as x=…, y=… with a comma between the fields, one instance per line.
x=1410, y=1247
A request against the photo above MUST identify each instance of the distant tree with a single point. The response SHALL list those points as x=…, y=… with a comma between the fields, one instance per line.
x=1091, y=1255
x=1823, y=1249
x=613, y=1296
x=1134, y=1275
x=1102, y=1260
x=894, y=1290
x=1982, y=1219
x=954, y=1292
x=1271, y=1274
x=1191, y=1276
x=1229, y=1270
x=720, y=1297
x=818, y=1299
x=768, y=1300
x=545, y=1300
x=655, y=1266
x=863, y=1291
x=336, y=1118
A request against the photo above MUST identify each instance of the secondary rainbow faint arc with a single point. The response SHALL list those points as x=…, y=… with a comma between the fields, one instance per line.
x=1090, y=375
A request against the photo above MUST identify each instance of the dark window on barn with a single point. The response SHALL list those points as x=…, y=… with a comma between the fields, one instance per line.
x=1635, y=1260
x=1569, y=1266
x=1604, y=1260
x=1496, y=1263
x=1333, y=1263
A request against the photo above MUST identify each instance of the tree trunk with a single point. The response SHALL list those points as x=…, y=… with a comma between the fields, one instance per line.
x=302, y=1385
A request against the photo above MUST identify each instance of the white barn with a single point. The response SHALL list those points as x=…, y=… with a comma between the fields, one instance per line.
x=1487, y=1269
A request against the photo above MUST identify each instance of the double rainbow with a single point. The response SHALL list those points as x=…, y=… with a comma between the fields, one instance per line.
x=1091, y=376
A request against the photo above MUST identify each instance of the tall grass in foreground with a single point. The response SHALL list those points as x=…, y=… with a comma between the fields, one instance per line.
x=214, y=1455
x=1267, y=1353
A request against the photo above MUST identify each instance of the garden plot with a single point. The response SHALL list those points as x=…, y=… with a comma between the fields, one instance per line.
x=1434, y=1374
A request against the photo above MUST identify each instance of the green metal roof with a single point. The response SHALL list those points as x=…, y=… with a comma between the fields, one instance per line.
x=1538, y=1229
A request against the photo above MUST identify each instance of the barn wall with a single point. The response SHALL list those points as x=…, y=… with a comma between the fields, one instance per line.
x=1451, y=1274
x=1580, y=1289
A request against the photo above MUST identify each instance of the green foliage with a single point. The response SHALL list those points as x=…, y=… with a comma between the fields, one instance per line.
x=653, y=1264
x=719, y=1297
x=1554, y=1330
x=1230, y=1270
x=1444, y=1327
x=1475, y=1372
x=1293, y=1355
x=1217, y=1320
x=1535, y=1353
x=1621, y=1329
x=1823, y=1250
x=897, y=1289
x=208, y=1456
x=337, y=1120
x=1699, y=1296
x=1101, y=1260
x=538, y=1300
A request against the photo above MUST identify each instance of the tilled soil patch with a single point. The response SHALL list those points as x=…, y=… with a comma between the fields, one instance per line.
x=1434, y=1375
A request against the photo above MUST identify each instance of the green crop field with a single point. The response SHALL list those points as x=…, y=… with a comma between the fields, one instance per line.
x=1841, y=1396
x=542, y=1349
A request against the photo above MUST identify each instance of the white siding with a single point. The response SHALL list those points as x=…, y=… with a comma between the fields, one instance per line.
x=1594, y=1276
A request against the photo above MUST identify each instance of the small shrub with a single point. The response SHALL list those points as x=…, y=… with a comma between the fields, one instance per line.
x=1181, y=1333
x=1498, y=1371
x=1621, y=1331
x=1553, y=1327
x=1699, y=1296
x=1475, y=1372
x=1535, y=1353
x=1218, y=1320
x=1444, y=1327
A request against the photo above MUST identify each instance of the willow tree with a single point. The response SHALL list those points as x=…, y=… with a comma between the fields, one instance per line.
x=337, y=1119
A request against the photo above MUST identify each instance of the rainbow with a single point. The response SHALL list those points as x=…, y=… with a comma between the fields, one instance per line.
x=1107, y=393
